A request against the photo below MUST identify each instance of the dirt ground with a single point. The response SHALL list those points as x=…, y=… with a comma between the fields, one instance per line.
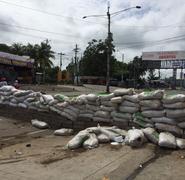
x=29, y=153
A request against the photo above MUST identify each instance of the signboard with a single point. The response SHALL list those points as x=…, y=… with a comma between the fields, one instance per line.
x=163, y=55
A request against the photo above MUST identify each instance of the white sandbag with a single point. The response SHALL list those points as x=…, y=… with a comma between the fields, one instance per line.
x=63, y=104
x=107, y=103
x=6, y=93
x=7, y=88
x=181, y=125
x=13, y=101
x=168, y=140
x=106, y=97
x=135, y=138
x=61, y=97
x=39, y=124
x=177, y=105
x=153, y=113
x=121, y=115
x=92, y=97
x=91, y=142
x=133, y=98
x=107, y=108
x=151, y=134
x=22, y=105
x=46, y=98
x=151, y=103
x=53, y=102
x=92, y=107
x=164, y=120
x=85, y=115
x=63, y=132
x=169, y=128
x=111, y=135
x=30, y=99
x=122, y=92
x=170, y=99
x=78, y=140
x=158, y=94
x=13, y=104
x=180, y=143
x=102, y=138
x=116, y=100
x=100, y=119
x=121, y=132
x=175, y=113
x=130, y=104
x=103, y=114
x=125, y=109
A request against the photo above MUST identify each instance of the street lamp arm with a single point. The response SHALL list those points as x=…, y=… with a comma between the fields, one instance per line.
x=94, y=16
x=116, y=13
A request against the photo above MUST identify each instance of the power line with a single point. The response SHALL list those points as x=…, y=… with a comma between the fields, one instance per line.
x=45, y=12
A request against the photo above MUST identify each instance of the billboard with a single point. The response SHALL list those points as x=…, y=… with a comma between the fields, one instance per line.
x=163, y=55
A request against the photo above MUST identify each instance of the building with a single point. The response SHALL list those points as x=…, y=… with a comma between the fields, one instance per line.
x=14, y=67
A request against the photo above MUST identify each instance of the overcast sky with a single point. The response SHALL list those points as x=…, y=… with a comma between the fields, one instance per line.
x=133, y=31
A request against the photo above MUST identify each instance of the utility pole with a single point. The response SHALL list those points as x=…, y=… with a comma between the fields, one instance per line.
x=122, y=68
x=109, y=38
x=60, y=65
x=76, y=64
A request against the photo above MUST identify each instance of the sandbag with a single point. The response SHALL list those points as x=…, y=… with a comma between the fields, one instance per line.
x=151, y=134
x=181, y=125
x=78, y=140
x=180, y=143
x=39, y=124
x=20, y=93
x=135, y=138
x=107, y=103
x=103, y=114
x=106, y=108
x=102, y=138
x=168, y=140
x=170, y=99
x=175, y=113
x=46, y=98
x=61, y=97
x=121, y=115
x=111, y=135
x=85, y=115
x=130, y=104
x=94, y=103
x=151, y=103
x=91, y=142
x=116, y=100
x=7, y=88
x=169, y=128
x=144, y=108
x=92, y=97
x=101, y=119
x=121, y=132
x=22, y=105
x=124, y=121
x=122, y=92
x=125, y=109
x=106, y=97
x=164, y=120
x=68, y=116
x=92, y=107
x=143, y=123
x=63, y=132
x=153, y=113
x=132, y=98
x=158, y=94
x=177, y=105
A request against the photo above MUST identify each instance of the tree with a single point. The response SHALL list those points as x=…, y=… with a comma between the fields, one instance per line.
x=152, y=75
x=94, y=60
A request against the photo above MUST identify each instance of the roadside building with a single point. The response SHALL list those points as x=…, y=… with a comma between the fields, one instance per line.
x=14, y=67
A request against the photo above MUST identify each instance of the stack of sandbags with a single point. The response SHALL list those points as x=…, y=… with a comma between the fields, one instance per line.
x=174, y=106
x=70, y=112
x=126, y=104
x=151, y=107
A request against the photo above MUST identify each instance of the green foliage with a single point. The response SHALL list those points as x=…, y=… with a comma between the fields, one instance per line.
x=152, y=75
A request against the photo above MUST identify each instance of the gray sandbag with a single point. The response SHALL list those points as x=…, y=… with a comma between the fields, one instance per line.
x=175, y=113
x=181, y=125
x=20, y=93
x=22, y=105
x=171, y=99
x=121, y=132
x=132, y=98
x=167, y=140
x=94, y=103
x=151, y=134
x=164, y=120
x=177, y=105
x=39, y=124
x=106, y=97
x=124, y=121
x=86, y=115
x=116, y=100
x=61, y=97
x=122, y=92
x=107, y=103
x=71, y=112
x=102, y=138
x=7, y=88
x=111, y=135
x=144, y=108
x=135, y=138
x=107, y=108
x=151, y=103
x=143, y=123
x=63, y=132
x=153, y=113
x=126, y=109
x=158, y=94
x=101, y=119
x=92, y=107
x=169, y=128
x=102, y=114
x=91, y=97
x=128, y=103
x=91, y=142
x=127, y=116
x=180, y=143
x=68, y=116
x=78, y=140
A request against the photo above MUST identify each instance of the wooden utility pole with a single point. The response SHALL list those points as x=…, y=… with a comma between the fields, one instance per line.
x=76, y=64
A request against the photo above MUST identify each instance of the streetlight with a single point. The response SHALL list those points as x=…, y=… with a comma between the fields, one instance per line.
x=109, y=38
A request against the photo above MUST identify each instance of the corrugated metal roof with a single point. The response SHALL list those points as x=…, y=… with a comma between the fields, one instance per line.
x=16, y=57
